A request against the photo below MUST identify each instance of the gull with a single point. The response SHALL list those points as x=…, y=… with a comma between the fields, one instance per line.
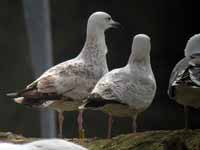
x=64, y=86
x=184, y=83
x=127, y=91
x=51, y=144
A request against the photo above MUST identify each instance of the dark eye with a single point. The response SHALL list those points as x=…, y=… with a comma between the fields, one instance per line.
x=109, y=18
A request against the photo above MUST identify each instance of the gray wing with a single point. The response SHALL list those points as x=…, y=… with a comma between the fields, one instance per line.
x=136, y=89
x=103, y=92
x=186, y=72
x=177, y=75
x=126, y=88
x=106, y=85
x=194, y=70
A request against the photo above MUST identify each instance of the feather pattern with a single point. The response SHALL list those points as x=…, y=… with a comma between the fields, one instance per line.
x=132, y=86
x=185, y=73
x=72, y=81
x=184, y=83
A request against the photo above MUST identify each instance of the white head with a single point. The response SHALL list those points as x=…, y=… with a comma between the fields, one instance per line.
x=193, y=45
x=141, y=46
x=101, y=21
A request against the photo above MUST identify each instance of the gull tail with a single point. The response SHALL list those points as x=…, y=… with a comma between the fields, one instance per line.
x=16, y=98
x=18, y=93
x=14, y=94
x=19, y=100
x=33, y=98
x=95, y=102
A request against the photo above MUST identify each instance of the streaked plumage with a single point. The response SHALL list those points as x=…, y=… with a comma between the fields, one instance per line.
x=129, y=90
x=64, y=86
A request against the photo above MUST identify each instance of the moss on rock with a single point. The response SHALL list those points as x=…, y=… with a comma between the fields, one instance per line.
x=150, y=140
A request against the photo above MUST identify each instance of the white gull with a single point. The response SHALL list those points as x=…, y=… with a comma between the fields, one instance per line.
x=64, y=86
x=129, y=90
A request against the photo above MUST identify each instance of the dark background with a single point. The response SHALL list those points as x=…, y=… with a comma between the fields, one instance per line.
x=168, y=23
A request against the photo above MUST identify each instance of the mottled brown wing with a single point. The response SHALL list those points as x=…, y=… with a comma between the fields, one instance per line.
x=47, y=84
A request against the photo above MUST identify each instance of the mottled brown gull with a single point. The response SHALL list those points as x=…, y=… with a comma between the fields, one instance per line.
x=129, y=90
x=184, y=83
x=64, y=86
x=51, y=144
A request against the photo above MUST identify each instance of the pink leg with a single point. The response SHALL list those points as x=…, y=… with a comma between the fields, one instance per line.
x=110, y=121
x=60, y=123
x=80, y=124
x=80, y=119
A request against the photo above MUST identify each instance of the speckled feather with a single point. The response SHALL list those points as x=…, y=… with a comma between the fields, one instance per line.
x=133, y=85
x=74, y=79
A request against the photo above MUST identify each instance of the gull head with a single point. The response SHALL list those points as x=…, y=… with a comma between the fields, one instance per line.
x=193, y=45
x=141, y=46
x=101, y=21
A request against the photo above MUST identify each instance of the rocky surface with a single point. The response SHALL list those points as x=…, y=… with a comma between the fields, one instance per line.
x=151, y=140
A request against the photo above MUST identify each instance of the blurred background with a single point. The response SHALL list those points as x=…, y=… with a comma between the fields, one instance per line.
x=168, y=23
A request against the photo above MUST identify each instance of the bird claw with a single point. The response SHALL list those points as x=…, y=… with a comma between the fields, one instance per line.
x=81, y=134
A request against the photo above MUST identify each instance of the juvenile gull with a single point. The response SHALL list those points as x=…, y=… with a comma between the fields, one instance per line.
x=129, y=90
x=64, y=86
x=51, y=144
x=184, y=83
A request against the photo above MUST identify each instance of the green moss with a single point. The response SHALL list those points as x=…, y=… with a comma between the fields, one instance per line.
x=151, y=140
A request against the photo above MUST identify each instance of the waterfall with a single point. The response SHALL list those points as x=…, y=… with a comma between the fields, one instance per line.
x=37, y=19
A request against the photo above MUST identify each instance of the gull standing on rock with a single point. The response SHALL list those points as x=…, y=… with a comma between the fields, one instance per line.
x=129, y=90
x=51, y=144
x=64, y=86
x=184, y=83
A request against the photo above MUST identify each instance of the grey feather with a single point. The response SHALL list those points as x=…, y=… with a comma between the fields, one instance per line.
x=184, y=83
x=133, y=85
